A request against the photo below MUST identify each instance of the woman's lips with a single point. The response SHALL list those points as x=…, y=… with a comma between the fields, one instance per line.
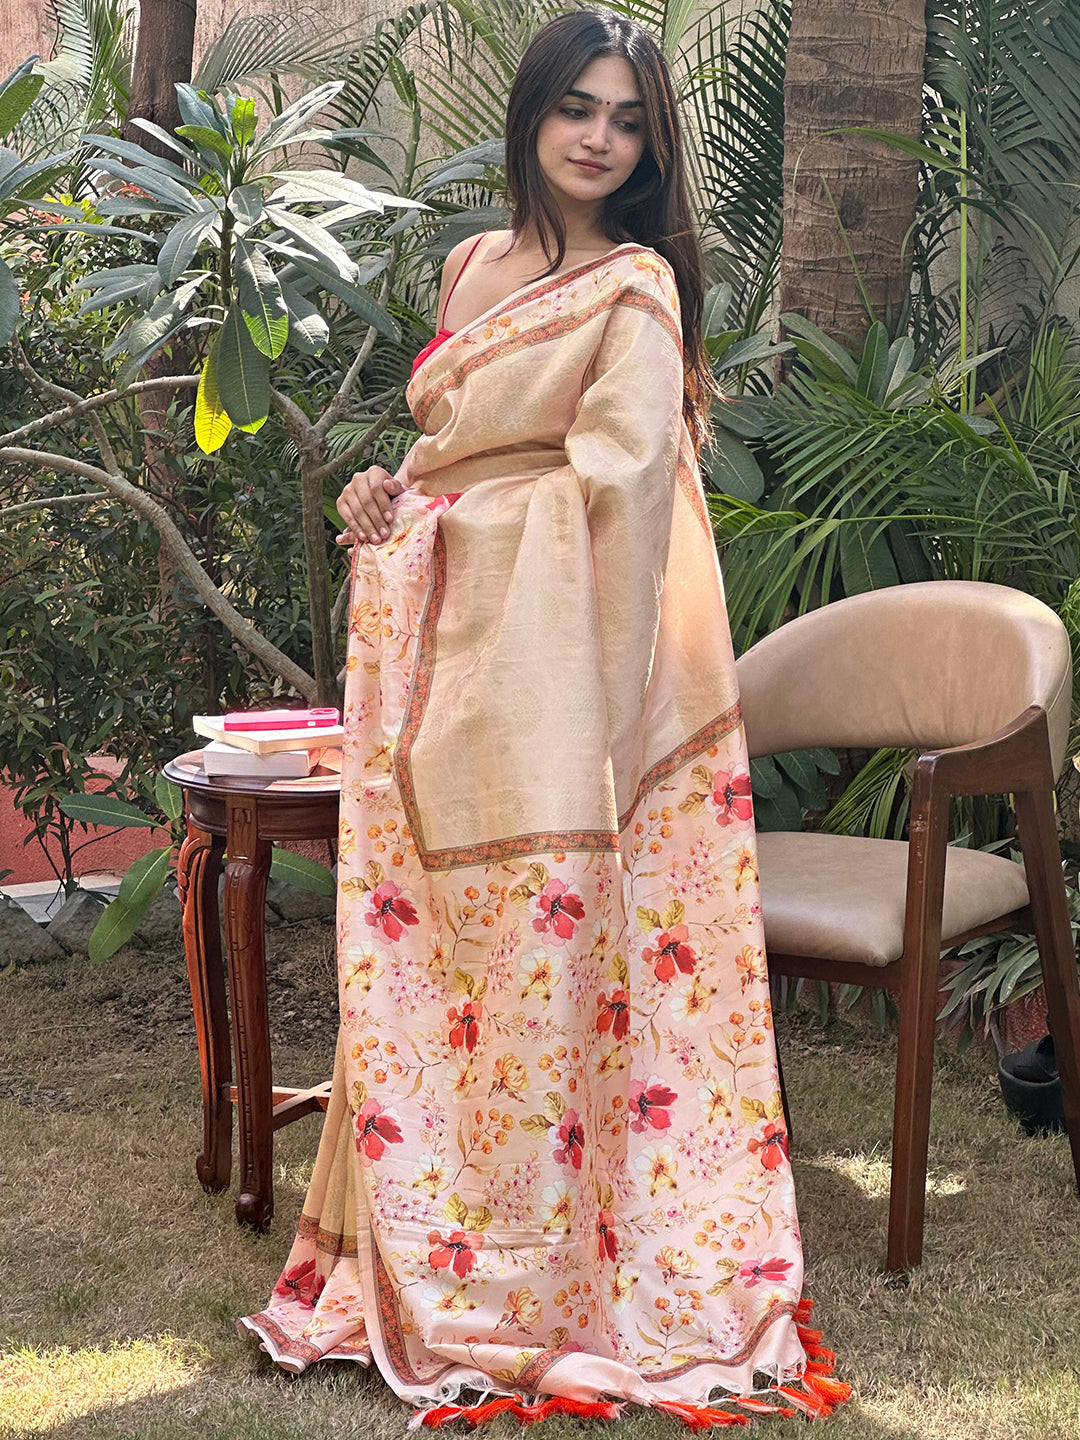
x=589, y=165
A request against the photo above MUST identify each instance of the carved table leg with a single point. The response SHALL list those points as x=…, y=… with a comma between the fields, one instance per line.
x=198, y=869
x=246, y=869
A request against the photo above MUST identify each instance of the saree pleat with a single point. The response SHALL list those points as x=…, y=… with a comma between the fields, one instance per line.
x=554, y=1164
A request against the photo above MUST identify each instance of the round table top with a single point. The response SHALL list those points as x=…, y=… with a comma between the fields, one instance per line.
x=187, y=771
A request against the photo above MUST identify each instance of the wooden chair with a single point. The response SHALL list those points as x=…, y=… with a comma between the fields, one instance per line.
x=977, y=678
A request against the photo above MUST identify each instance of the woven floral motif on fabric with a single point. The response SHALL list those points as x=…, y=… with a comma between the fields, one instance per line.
x=555, y=1161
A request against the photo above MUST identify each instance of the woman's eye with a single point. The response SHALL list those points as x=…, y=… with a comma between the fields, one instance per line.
x=573, y=112
x=629, y=127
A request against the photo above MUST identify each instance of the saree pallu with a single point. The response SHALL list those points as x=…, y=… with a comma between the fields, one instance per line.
x=554, y=1168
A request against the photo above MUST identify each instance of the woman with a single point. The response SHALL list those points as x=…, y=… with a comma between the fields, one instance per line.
x=554, y=1168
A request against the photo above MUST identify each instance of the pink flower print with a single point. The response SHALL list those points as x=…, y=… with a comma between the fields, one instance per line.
x=375, y=1129
x=465, y=1027
x=772, y=1271
x=301, y=1284
x=614, y=1014
x=731, y=797
x=456, y=1251
x=647, y=1105
x=669, y=952
x=560, y=910
x=570, y=1140
x=772, y=1148
x=605, y=1234
x=391, y=911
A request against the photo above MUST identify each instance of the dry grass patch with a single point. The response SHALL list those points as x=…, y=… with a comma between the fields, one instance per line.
x=120, y=1281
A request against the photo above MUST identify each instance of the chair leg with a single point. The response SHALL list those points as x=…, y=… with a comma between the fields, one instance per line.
x=911, y=1112
x=918, y=1014
x=1057, y=955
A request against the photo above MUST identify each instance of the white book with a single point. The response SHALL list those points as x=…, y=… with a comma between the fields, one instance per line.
x=267, y=742
x=222, y=759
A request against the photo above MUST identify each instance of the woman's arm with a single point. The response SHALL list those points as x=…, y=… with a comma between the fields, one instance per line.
x=364, y=504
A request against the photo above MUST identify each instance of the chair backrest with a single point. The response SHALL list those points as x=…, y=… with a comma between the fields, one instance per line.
x=943, y=662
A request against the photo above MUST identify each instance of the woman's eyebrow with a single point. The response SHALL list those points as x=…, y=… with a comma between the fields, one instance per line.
x=596, y=100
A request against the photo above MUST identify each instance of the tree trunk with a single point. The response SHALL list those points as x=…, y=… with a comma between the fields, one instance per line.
x=849, y=201
x=164, y=54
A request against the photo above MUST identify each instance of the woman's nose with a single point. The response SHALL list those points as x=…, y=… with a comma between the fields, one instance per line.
x=597, y=137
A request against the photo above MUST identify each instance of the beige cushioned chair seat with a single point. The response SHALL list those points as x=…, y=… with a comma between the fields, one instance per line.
x=841, y=897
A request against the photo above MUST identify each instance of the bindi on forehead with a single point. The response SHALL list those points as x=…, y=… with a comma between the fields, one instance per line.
x=598, y=100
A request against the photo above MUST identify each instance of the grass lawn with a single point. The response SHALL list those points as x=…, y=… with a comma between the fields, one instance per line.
x=120, y=1280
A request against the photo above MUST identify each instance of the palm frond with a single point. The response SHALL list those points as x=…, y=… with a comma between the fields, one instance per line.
x=258, y=47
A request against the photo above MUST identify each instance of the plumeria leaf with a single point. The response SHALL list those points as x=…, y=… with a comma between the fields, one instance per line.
x=212, y=423
x=261, y=300
x=243, y=374
x=308, y=331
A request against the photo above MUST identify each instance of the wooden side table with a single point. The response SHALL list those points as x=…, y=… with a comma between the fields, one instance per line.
x=240, y=818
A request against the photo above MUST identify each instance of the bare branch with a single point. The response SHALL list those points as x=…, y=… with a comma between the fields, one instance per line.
x=336, y=409
x=39, y=383
x=186, y=560
x=362, y=446
x=341, y=603
x=95, y=402
x=82, y=498
x=298, y=423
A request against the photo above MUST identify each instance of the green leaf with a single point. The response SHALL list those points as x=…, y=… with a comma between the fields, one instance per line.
x=299, y=871
x=834, y=361
x=800, y=769
x=103, y=810
x=183, y=240
x=246, y=204
x=207, y=139
x=308, y=331
x=358, y=300
x=169, y=797
x=316, y=241
x=872, y=378
x=243, y=373
x=734, y=469
x=140, y=884
x=9, y=303
x=717, y=301
x=766, y=781
x=261, y=300
x=16, y=99
x=244, y=120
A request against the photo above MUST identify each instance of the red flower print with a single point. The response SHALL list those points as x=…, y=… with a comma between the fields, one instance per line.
x=301, y=1284
x=465, y=1028
x=731, y=796
x=605, y=1233
x=670, y=952
x=647, y=1104
x=560, y=910
x=570, y=1140
x=456, y=1251
x=614, y=1013
x=772, y=1271
x=375, y=1129
x=772, y=1146
x=390, y=911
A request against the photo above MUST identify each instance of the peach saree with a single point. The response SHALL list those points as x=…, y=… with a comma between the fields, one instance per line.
x=554, y=1169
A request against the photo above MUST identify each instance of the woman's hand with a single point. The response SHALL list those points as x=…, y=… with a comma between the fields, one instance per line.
x=364, y=505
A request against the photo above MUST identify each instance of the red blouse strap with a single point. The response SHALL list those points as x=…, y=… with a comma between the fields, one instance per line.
x=457, y=277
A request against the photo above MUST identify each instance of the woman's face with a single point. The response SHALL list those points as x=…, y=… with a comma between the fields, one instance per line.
x=592, y=140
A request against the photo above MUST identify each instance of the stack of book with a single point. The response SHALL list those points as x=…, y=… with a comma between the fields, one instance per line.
x=271, y=744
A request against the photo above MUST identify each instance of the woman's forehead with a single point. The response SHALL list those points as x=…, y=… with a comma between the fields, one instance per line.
x=608, y=80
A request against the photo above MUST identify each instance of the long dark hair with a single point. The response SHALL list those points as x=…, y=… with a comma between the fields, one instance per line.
x=652, y=207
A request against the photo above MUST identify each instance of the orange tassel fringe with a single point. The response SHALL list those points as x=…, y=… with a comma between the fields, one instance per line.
x=817, y=1396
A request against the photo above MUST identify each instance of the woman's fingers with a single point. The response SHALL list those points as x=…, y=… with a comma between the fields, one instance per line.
x=365, y=506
